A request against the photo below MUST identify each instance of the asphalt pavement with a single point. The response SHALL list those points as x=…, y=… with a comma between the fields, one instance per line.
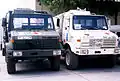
x=33, y=72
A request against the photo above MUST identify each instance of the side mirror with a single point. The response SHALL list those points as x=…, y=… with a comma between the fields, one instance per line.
x=4, y=22
x=58, y=22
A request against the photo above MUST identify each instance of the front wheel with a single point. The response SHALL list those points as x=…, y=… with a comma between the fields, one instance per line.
x=11, y=68
x=71, y=60
x=55, y=63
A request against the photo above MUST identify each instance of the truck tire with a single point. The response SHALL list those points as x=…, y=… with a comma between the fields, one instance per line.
x=71, y=60
x=111, y=61
x=55, y=63
x=11, y=69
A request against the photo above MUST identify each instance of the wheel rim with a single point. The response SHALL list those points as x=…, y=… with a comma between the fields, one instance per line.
x=67, y=59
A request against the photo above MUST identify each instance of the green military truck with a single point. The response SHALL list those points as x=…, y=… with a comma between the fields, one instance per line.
x=29, y=35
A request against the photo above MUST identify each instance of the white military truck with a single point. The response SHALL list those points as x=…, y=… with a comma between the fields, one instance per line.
x=85, y=34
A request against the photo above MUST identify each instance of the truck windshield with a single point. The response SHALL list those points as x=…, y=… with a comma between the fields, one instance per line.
x=32, y=21
x=89, y=23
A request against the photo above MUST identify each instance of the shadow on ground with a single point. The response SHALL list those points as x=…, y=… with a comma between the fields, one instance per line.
x=42, y=67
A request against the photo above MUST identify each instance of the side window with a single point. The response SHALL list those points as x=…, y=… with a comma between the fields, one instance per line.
x=58, y=22
x=50, y=23
x=100, y=22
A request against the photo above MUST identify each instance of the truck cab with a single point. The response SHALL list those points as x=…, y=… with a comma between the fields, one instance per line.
x=30, y=35
x=85, y=34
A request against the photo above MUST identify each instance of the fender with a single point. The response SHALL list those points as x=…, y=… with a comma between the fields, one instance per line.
x=72, y=47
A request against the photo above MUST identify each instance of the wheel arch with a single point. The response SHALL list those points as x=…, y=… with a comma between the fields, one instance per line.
x=66, y=46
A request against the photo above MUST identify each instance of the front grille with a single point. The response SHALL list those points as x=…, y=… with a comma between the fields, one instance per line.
x=36, y=44
x=96, y=42
x=103, y=43
x=109, y=43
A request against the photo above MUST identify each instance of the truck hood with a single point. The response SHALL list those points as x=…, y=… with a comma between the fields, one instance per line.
x=34, y=33
x=25, y=40
x=94, y=34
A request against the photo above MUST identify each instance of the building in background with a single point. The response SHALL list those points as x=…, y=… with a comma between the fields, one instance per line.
x=26, y=4
x=113, y=19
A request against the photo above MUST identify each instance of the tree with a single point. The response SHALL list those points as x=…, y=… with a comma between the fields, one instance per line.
x=58, y=6
x=107, y=7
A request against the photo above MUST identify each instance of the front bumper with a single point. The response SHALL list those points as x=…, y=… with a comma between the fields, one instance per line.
x=32, y=53
x=96, y=51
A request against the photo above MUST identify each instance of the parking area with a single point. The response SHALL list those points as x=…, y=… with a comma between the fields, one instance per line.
x=33, y=72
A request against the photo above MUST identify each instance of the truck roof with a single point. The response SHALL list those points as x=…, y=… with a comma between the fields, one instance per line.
x=78, y=12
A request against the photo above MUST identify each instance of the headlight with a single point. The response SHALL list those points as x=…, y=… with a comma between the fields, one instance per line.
x=116, y=51
x=17, y=53
x=84, y=51
x=57, y=52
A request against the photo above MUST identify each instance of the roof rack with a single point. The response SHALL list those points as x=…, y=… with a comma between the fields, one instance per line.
x=23, y=11
x=28, y=11
x=42, y=12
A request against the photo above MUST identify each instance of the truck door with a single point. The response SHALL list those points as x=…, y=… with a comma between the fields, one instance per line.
x=66, y=26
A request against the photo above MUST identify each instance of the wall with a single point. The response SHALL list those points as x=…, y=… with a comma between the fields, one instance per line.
x=113, y=19
x=26, y=4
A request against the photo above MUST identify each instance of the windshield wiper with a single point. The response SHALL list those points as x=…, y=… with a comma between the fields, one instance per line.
x=83, y=28
x=95, y=28
x=102, y=28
